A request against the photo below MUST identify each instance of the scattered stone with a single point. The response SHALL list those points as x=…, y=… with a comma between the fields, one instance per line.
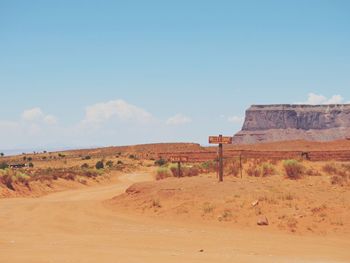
x=255, y=203
x=262, y=221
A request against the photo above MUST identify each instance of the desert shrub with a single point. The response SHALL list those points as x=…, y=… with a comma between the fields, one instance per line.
x=293, y=168
x=61, y=155
x=312, y=172
x=3, y=165
x=99, y=165
x=175, y=171
x=160, y=162
x=31, y=165
x=120, y=162
x=69, y=176
x=7, y=179
x=23, y=178
x=208, y=208
x=330, y=168
x=132, y=156
x=109, y=164
x=162, y=173
x=338, y=180
x=29, y=159
x=190, y=171
x=233, y=168
x=267, y=169
x=84, y=166
x=87, y=157
x=208, y=166
x=253, y=170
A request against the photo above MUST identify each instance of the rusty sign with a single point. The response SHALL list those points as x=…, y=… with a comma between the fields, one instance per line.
x=176, y=159
x=220, y=140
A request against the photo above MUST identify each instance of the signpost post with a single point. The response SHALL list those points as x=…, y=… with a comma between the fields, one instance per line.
x=178, y=160
x=220, y=140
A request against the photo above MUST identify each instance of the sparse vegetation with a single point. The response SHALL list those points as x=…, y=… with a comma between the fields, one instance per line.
x=163, y=173
x=109, y=164
x=160, y=162
x=253, y=170
x=267, y=169
x=99, y=165
x=87, y=157
x=330, y=168
x=208, y=208
x=84, y=166
x=293, y=168
x=233, y=168
x=209, y=166
x=3, y=165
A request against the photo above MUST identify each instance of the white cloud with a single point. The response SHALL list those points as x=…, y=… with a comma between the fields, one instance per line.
x=32, y=114
x=235, y=119
x=101, y=112
x=37, y=115
x=178, y=119
x=314, y=99
x=335, y=99
x=50, y=119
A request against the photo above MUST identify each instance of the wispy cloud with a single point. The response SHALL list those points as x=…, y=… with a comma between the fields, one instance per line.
x=315, y=99
x=37, y=115
x=104, y=111
x=178, y=119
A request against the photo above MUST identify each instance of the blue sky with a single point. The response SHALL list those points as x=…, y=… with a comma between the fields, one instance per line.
x=87, y=73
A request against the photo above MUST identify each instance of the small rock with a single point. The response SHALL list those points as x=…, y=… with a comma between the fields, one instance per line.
x=202, y=250
x=262, y=221
x=255, y=203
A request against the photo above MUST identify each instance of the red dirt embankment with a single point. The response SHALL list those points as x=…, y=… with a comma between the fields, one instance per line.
x=311, y=205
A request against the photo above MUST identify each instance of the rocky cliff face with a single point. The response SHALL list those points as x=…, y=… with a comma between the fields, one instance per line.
x=264, y=123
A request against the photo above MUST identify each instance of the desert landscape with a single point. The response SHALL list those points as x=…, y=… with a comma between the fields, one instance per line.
x=105, y=203
x=175, y=131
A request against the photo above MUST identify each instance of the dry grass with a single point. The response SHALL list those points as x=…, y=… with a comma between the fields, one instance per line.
x=293, y=169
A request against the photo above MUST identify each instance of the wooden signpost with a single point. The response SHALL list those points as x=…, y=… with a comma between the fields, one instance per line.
x=178, y=160
x=220, y=140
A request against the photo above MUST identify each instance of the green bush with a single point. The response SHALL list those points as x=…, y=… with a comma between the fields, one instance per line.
x=160, y=162
x=3, y=165
x=267, y=169
x=109, y=164
x=294, y=169
x=209, y=166
x=163, y=173
x=99, y=165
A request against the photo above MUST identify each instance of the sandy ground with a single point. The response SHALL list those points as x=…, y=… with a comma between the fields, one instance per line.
x=78, y=226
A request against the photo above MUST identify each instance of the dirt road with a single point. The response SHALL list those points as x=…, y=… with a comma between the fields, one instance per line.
x=77, y=226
